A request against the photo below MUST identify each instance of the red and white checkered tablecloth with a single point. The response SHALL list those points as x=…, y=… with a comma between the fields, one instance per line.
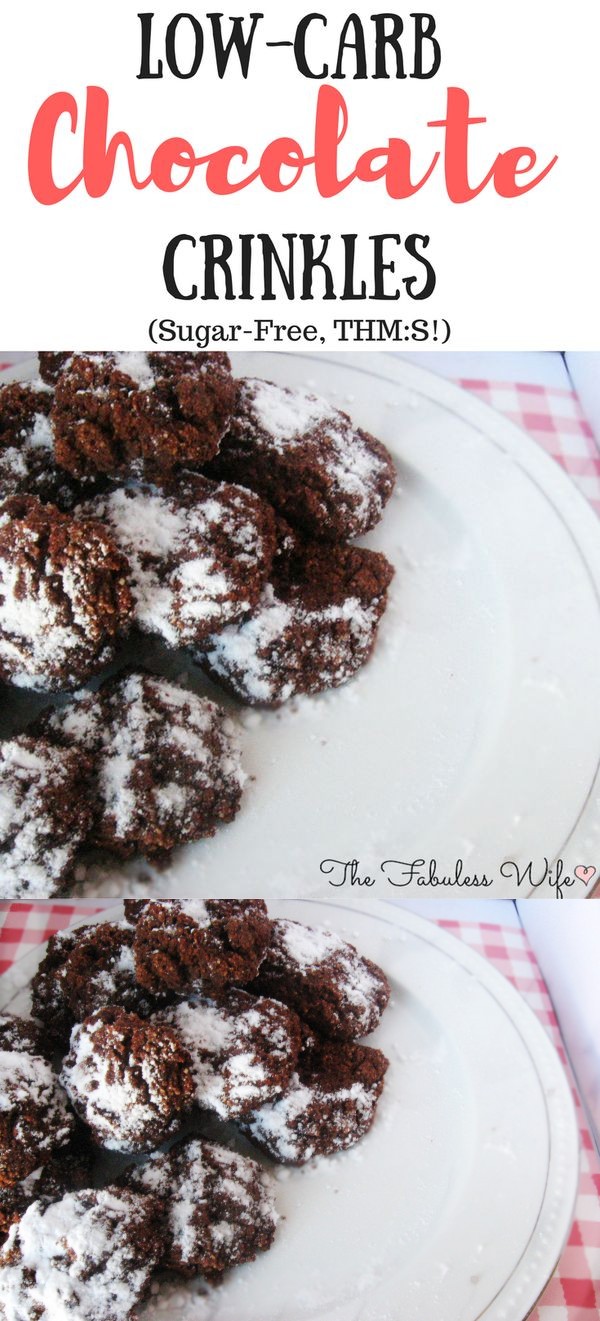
x=574, y=1291
x=554, y=418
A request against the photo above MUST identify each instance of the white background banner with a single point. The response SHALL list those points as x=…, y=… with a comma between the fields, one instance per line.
x=360, y=268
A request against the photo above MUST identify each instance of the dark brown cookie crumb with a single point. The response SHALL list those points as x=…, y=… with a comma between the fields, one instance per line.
x=324, y=475
x=64, y=598
x=314, y=627
x=185, y=945
x=218, y=1207
x=328, y=983
x=142, y=414
x=130, y=1081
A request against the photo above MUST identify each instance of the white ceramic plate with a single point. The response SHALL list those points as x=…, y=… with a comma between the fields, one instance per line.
x=457, y=1205
x=474, y=732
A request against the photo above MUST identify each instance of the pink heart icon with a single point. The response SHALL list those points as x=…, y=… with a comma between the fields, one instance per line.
x=585, y=873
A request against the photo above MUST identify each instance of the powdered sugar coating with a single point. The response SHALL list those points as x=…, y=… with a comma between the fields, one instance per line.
x=321, y=472
x=243, y=1050
x=87, y=1257
x=64, y=601
x=199, y=557
x=45, y=816
x=324, y=979
x=130, y=1081
x=34, y=1118
x=166, y=762
x=220, y=1208
x=137, y=366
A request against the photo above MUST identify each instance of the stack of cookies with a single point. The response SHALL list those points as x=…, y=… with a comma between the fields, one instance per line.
x=144, y=1032
x=154, y=495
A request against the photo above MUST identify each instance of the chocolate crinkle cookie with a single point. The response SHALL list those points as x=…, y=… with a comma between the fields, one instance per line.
x=89, y=1256
x=199, y=555
x=329, y=1106
x=307, y=458
x=218, y=1207
x=34, y=1118
x=166, y=763
x=314, y=627
x=185, y=945
x=64, y=597
x=87, y=969
x=67, y=1170
x=45, y=816
x=141, y=414
x=27, y=465
x=329, y=984
x=243, y=1050
x=130, y=1081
